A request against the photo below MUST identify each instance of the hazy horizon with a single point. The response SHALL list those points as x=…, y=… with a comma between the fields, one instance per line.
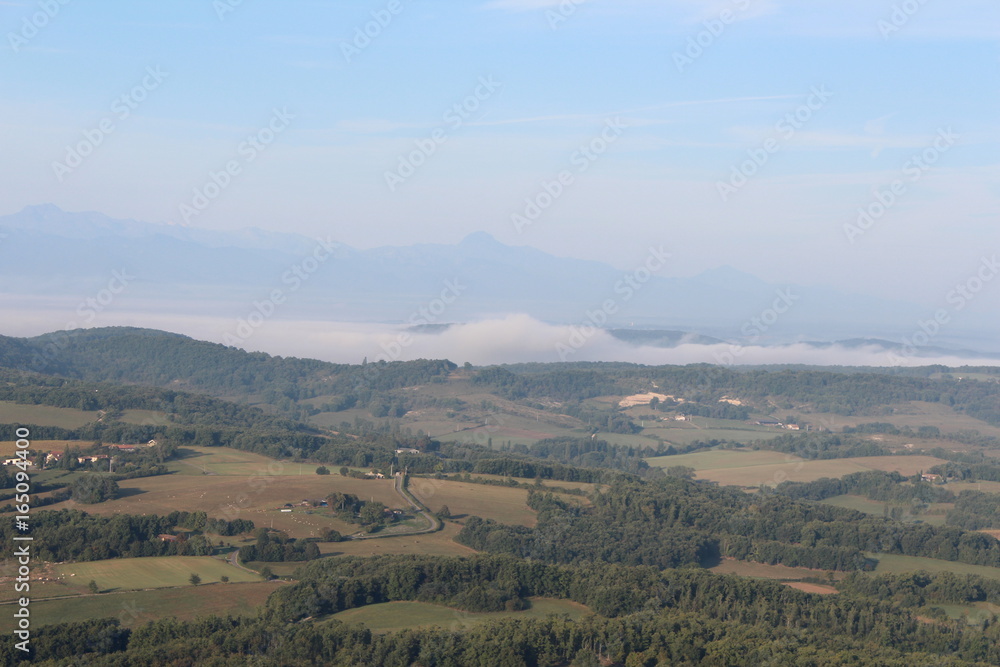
x=850, y=147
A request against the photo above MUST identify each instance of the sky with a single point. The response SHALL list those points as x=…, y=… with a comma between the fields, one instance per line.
x=750, y=133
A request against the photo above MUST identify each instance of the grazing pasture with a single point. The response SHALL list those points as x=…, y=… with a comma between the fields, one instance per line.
x=913, y=414
x=157, y=572
x=440, y=543
x=755, y=468
x=502, y=503
x=135, y=608
x=721, y=459
x=44, y=415
x=256, y=497
x=812, y=588
x=765, y=571
x=893, y=564
x=390, y=616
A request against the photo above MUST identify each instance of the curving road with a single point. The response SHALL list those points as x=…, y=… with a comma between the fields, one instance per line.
x=433, y=521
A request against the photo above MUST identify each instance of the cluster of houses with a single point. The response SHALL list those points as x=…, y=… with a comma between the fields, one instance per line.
x=55, y=456
x=776, y=424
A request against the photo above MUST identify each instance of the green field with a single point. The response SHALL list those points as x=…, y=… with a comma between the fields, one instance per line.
x=913, y=414
x=159, y=572
x=974, y=614
x=502, y=503
x=934, y=514
x=706, y=428
x=138, y=607
x=748, y=468
x=721, y=459
x=985, y=487
x=440, y=543
x=193, y=460
x=391, y=616
x=765, y=571
x=893, y=564
x=859, y=504
x=44, y=415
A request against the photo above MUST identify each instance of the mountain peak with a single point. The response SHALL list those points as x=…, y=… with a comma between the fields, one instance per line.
x=728, y=277
x=482, y=239
x=41, y=211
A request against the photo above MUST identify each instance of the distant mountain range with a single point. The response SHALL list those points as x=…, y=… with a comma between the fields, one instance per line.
x=49, y=255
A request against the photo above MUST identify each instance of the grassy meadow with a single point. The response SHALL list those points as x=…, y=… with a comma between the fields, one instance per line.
x=391, y=616
x=155, y=572
x=137, y=607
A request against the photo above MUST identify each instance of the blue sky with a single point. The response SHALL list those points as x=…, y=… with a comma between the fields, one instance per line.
x=551, y=77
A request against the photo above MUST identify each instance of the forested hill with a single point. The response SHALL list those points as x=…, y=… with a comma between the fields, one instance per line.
x=157, y=358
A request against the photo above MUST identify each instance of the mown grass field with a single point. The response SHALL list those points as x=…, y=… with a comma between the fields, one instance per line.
x=44, y=415
x=159, y=572
x=934, y=514
x=985, y=487
x=680, y=435
x=749, y=468
x=858, y=503
x=511, y=429
x=721, y=459
x=893, y=564
x=776, y=572
x=193, y=460
x=391, y=616
x=913, y=414
x=228, y=483
x=257, y=499
x=502, y=503
x=974, y=614
x=586, y=487
x=440, y=543
x=138, y=607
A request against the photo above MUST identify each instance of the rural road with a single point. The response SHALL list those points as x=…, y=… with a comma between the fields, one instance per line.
x=234, y=560
x=435, y=523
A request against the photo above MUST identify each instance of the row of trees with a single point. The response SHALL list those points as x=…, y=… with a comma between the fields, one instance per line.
x=72, y=535
x=274, y=546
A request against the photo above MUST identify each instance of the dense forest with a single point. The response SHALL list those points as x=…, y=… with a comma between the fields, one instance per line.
x=643, y=617
x=675, y=522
